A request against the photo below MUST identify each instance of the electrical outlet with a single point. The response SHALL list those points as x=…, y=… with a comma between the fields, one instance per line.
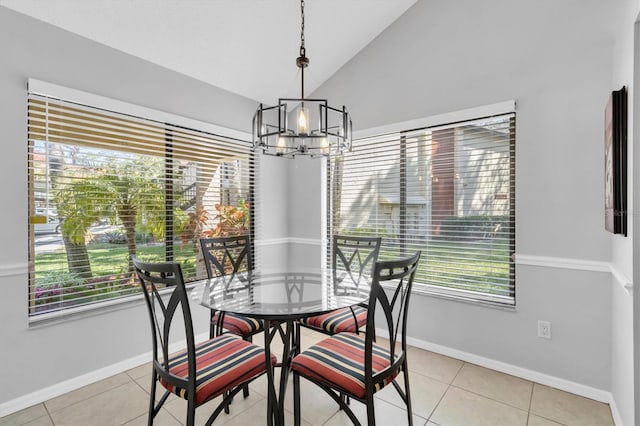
x=544, y=329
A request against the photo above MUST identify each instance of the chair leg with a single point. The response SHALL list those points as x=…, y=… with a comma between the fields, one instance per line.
x=407, y=392
x=152, y=398
x=296, y=399
x=191, y=411
x=226, y=407
x=371, y=410
x=245, y=388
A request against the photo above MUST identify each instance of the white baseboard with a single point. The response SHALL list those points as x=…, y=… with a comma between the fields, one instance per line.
x=523, y=373
x=617, y=419
x=45, y=394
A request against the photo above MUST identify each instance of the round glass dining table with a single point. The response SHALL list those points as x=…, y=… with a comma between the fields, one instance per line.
x=278, y=297
x=272, y=294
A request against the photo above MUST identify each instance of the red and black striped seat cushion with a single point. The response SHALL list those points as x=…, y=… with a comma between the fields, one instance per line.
x=338, y=321
x=238, y=324
x=338, y=361
x=222, y=363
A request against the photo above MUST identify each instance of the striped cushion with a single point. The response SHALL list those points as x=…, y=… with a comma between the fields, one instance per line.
x=238, y=324
x=338, y=361
x=222, y=363
x=338, y=321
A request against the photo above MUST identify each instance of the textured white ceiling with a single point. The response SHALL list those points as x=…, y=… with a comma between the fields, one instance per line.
x=245, y=46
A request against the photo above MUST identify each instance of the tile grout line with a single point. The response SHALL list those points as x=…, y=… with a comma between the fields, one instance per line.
x=444, y=393
x=154, y=399
x=87, y=397
x=530, y=403
x=539, y=415
x=48, y=414
x=84, y=399
x=437, y=405
x=490, y=398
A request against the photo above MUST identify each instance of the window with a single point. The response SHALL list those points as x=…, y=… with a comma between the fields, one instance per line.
x=447, y=190
x=104, y=185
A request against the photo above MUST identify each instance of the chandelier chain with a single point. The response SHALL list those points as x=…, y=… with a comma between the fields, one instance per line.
x=302, y=47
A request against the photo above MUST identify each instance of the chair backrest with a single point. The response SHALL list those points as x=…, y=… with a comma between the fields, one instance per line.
x=226, y=255
x=154, y=277
x=355, y=255
x=397, y=276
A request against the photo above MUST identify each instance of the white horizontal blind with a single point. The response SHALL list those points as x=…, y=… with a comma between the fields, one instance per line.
x=108, y=185
x=448, y=191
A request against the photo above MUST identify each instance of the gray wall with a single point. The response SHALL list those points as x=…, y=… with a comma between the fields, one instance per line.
x=555, y=59
x=34, y=358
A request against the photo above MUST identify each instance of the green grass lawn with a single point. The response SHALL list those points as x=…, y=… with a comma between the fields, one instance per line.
x=55, y=288
x=481, y=266
x=109, y=259
x=477, y=266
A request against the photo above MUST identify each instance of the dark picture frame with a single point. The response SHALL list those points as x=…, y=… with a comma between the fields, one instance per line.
x=615, y=162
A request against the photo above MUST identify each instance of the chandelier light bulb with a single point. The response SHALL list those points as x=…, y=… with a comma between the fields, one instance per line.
x=324, y=146
x=282, y=144
x=303, y=121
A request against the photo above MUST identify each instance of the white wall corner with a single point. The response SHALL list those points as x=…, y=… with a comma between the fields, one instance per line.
x=615, y=413
x=621, y=278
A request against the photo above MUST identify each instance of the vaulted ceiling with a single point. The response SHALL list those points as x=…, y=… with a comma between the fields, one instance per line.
x=247, y=47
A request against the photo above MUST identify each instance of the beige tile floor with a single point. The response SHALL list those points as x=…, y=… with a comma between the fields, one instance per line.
x=445, y=391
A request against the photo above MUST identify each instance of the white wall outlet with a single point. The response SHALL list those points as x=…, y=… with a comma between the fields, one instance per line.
x=544, y=329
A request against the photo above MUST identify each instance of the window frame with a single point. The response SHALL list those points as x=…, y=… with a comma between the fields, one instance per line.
x=404, y=128
x=41, y=88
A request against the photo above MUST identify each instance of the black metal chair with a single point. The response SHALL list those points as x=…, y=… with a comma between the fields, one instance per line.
x=225, y=256
x=355, y=364
x=219, y=366
x=352, y=258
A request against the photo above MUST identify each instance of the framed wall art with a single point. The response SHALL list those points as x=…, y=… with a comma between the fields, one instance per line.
x=615, y=163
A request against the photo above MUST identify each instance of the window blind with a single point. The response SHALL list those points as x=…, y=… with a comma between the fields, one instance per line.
x=447, y=190
x=105, y=185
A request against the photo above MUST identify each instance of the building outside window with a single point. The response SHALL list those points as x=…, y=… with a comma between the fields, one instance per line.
x=448, y=190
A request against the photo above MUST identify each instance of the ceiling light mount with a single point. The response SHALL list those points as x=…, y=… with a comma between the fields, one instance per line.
x=320, y=130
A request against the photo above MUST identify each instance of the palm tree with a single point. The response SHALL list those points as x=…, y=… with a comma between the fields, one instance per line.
x=129, y=190
x=79, y=206
x=135, y=192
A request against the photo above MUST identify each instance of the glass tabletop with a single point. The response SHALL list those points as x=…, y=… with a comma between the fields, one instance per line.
x=282, y=294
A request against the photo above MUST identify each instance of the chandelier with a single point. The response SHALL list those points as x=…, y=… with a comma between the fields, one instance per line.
x=302, y=126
